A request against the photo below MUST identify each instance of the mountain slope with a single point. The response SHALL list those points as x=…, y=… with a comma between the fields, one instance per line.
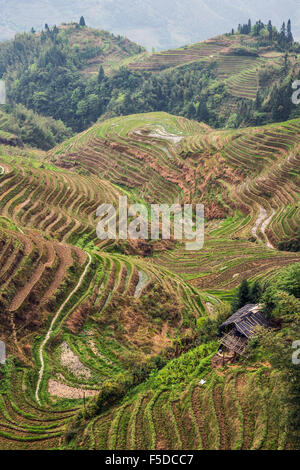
x=49, y=72
x=174, y=410
x=163, y=25
x=77, y=74
x=107, y=317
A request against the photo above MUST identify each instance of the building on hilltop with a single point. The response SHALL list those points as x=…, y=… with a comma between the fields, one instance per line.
x=241, y=326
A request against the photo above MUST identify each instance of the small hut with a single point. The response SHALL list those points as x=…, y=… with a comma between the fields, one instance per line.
x=243, y=324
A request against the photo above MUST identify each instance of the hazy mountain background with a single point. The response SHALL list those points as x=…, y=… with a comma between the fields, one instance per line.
x=152, y=23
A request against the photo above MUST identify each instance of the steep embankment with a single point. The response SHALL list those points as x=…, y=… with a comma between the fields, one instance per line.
x=78, y=313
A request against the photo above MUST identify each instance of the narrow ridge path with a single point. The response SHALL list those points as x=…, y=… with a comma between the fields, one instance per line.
x=47, y=337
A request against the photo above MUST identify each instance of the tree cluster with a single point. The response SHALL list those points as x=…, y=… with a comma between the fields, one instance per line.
x=247, y=294
x=284, y=38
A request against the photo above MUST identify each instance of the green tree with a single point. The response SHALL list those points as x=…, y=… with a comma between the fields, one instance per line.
x=280, y=306
x=202, y=112
x=191, y=111
x=282, y=36
x=82, y=108
x=290, y=38
x=270, y=30
x=40, y=101
x=82, y=21
x=93, y=106
x=101, y=74
x=242, y=297
x=249, y=26
x=256, y=292
x=289, y=280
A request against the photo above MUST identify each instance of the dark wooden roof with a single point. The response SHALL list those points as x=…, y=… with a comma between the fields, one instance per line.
x=246, y=320
x=239, y=314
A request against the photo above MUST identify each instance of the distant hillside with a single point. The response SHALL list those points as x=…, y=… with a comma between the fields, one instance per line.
x=84, y=47
x=48, y=72
x=77, y=74
x=160, y=24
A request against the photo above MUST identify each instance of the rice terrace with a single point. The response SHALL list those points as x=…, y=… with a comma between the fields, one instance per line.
x=142, y=344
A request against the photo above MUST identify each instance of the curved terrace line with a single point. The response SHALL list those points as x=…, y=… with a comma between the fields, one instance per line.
x=47, y=337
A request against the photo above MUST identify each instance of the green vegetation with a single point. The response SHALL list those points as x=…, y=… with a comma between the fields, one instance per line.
x=54, y=72
x=75, y=74
x=114, y=344
x=27, y=127
x=131, y=342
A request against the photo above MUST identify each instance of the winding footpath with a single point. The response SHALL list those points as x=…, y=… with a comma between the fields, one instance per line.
x=263, y=228
x=47, y=337
x=2, y=170
x=263, y=221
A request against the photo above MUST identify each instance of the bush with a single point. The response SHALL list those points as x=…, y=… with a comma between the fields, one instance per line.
x=110, y=393
x=289, y=280
x=243, y=51
x=292, y=245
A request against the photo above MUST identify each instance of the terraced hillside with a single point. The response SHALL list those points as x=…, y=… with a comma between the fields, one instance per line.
x=99, y=47
x=79, y=315
x=172, y=58
x=237, y=69
x=82, y=74
x=259, y=164
x=176, y=411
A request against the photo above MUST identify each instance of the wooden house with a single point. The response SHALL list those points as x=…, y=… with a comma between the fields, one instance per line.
x=238, y=328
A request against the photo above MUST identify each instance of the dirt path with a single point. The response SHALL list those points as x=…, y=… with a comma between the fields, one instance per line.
x=142, y=282
x=263, y=221
x=47, y=337
x=2, y=170
x=61, y=390
x=263, y=229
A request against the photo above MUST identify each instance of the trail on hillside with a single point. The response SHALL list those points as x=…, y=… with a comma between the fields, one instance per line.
x=264, y=227
x=47, y=337
x=263, y=221
x=142, y=282
x=2, y=170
